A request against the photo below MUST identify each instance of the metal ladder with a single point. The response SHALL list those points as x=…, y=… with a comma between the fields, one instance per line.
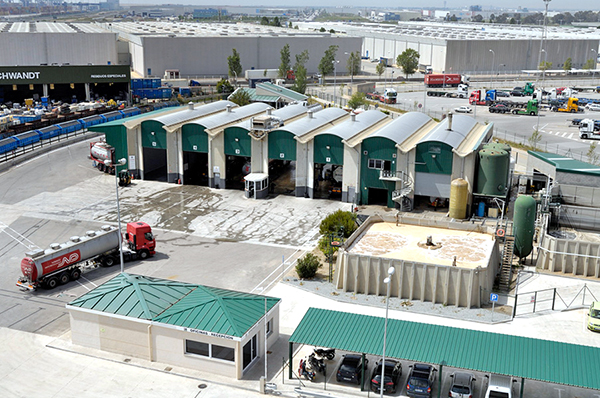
x=505, y=278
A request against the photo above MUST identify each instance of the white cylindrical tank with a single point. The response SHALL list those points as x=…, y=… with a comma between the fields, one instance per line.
x=101, y=151
x=42, y=262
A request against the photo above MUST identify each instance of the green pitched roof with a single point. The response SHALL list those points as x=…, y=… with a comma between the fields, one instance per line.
x=177, y=303
x=516, y=356
x=566, y=164
x=281, y=91
x=259, y=98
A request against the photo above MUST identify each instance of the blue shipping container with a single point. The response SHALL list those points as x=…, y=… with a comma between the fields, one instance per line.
x=7, y=145
x=156, y=83
x=136, y=83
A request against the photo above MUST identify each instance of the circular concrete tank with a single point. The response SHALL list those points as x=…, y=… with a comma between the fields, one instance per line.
x=492, y=173
x=524, y=225
x=459, y=193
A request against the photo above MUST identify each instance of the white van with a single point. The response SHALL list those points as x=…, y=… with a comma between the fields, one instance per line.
x=499, y=387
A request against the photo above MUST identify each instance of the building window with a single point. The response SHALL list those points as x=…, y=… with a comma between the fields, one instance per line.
x=196, y=347
x=269, y=327
x=221, y=352
x=376, y=164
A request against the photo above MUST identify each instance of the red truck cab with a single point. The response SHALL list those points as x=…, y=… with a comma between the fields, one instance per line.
x=140, y=239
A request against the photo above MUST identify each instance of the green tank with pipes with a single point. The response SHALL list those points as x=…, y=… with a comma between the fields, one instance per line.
x=498, y=145
x=524, y=225
x=492, y=173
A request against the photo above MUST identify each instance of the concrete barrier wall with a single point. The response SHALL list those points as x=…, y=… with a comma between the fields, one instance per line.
x=438, y=284
x=565, y=256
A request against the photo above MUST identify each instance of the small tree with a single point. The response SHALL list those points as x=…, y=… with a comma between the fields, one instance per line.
x=300, y=72
x=276, y=22
x=332, y=31
x=535, y=138
x=264, y=21
x=408, y=61
x=224, y=87
x=307, y=266
x=326, y=65
x=568, y=65
x=322, y=29
x=380, y=69
x=240, y=97
x=592, y=156
x=284, y=66
x=545, y=65
x=234, y=64
x=357, y=100
x=353, y=64
x=590, y=64
x=337, y=220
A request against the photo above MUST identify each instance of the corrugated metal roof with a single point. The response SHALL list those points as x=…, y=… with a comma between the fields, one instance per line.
x=235, y=115
x=461, y=126
x=177, y=303
x=285, y=113
x=349, y=128
x=516, y=356
x=318, y=120
x=187, y=114
x=566, y=164
x=274, y=89
x=403, y=127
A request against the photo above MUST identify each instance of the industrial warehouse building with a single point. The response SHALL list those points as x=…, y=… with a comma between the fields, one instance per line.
x=199, y=327
x=465, y=48
x=365, y=158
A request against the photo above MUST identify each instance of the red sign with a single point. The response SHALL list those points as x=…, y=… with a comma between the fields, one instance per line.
x=61, y=261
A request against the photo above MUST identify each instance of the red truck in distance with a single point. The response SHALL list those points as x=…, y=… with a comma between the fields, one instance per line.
x=445, y=80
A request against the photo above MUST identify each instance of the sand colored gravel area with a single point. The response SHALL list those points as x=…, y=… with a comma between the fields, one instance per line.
x=407, y=242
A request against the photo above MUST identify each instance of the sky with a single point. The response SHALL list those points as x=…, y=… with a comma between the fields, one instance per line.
x=554, y=5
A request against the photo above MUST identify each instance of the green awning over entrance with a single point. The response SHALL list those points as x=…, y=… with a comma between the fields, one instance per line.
x=534, y=359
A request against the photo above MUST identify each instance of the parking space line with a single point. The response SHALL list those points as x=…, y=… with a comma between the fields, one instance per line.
x=88, y=281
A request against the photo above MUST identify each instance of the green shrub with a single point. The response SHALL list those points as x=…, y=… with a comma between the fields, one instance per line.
x=307, y=266
x=334, y=222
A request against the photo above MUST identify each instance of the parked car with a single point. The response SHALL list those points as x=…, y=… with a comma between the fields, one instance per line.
x=593, y=322
x=393, y=371
x=463, y=109
x=499, y=108
x=420, y=380
x=593, y=107
x=502, y=94
x=350, y=369
x=462, y=385
x=517, y=93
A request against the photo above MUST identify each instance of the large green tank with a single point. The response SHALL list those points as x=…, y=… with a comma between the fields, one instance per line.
x=524, y=225
x=492, y=173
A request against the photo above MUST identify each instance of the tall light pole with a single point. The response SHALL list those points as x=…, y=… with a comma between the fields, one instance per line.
x=493, y=63
x=388, y=282
x=595, y=63
x=121, y=162
x=546, y=2
x=334, y=62
x=543, y=79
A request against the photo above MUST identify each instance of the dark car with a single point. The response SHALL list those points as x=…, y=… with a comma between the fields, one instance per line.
x=502, y=94
x=462, y=385
x=420, y=380
x=393, y=371
x=499, y=108
x=517, y=93
x=350, y=369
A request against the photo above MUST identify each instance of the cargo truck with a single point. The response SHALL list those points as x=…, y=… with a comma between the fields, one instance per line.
x=531, y=109
x=445, y=80
x=64, y=262
x=266, y=75
x=461, y=92
x=589, y=129
x=571, y=105
x=425, y=69
x=388, y=97
x=100, y=152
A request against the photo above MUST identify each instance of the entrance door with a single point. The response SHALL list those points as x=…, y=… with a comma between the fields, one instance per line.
x=378, y=196
x=155, y=164
x=195, y=168
x=250, y=351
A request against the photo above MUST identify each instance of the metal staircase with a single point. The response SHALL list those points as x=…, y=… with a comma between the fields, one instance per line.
x=399, y=196
x=505, y=277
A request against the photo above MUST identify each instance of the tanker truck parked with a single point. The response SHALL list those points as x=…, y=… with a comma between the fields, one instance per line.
x=100, y=152
x=66, y=261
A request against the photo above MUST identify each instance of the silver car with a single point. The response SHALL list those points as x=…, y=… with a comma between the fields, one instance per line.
x=462, y=385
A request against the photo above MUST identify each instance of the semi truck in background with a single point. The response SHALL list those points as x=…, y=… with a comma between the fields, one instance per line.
x=445, y=80
x=589, y=129
x=425, y=69
x=389, y=96
x=64, y=262
x=461, y=92
x=254, y=76
x=571, y=106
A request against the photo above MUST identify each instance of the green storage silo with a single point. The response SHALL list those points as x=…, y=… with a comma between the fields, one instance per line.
x=497, y=145
x=492, y=174
x=524, y=225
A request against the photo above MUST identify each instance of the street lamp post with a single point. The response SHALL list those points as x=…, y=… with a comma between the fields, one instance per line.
x=543, y=79
x=121, y=162
x=493, y=63
x=595, y=59
x=388, y=282
x=334, y=62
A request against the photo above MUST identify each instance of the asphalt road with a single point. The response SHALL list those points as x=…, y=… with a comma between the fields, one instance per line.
x=215, y=238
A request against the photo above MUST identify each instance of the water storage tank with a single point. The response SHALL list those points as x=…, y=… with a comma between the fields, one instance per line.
x=524, y=225
x=459, y=193
x=497, y=145
x=492, y=173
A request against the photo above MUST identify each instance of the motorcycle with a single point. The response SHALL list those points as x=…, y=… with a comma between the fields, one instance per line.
x=305, y=370
x=316, y=363
x=328, y=353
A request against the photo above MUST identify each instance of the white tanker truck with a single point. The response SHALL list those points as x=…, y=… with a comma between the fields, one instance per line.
x=99, y=152
x=63, y=262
